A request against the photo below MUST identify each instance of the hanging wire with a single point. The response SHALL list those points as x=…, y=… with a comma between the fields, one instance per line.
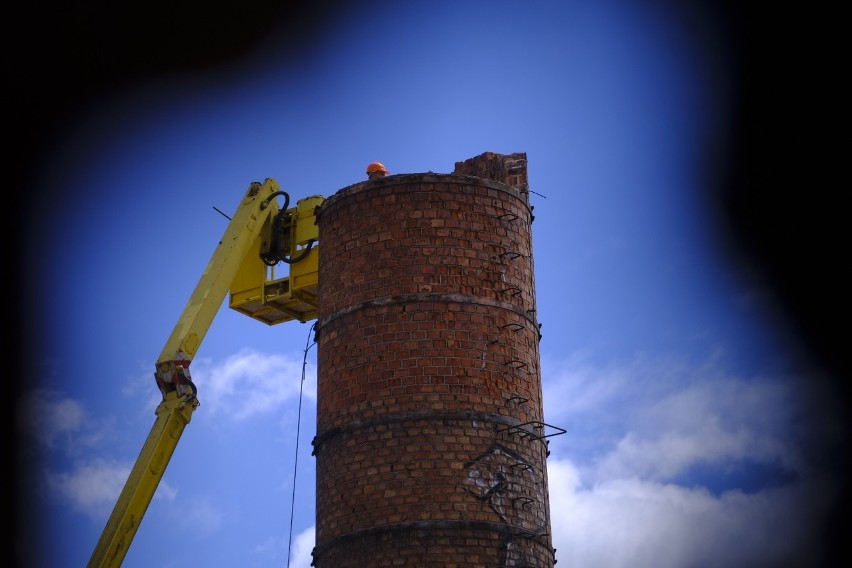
x=308, y=346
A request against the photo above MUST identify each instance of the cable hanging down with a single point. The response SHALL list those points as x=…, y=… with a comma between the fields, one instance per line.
x=308, y=345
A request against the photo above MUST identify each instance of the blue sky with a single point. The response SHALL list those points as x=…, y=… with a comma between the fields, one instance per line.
x=693, y=437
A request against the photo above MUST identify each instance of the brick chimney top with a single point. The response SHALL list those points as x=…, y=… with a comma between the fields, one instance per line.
x=510, y=169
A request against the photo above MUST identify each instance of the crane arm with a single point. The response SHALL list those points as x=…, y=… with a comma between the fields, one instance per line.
x=259, y=235
x=173, y=414
x=245, y=230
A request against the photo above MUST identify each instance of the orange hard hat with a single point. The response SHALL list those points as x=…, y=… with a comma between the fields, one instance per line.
x=376, y=167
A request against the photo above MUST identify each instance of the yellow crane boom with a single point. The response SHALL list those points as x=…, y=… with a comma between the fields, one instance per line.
x=259, y=236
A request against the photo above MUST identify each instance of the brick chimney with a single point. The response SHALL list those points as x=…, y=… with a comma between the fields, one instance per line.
x=431, y=442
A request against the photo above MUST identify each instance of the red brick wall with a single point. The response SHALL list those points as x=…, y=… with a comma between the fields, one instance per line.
x=429, y=390
x=510, y=169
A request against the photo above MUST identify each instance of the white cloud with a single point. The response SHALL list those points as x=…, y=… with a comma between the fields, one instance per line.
x=635, y=523
x=48, y=417
x=250, y=383
x=637, y=430
x=301, y=556
x=717, y=421
x=199, y=517
x=275, y=547
x=93, y=488
x=244, y=385
x=658, y=418
x=64, y=436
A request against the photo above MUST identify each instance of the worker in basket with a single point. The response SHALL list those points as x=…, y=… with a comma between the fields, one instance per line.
x=376, y=170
